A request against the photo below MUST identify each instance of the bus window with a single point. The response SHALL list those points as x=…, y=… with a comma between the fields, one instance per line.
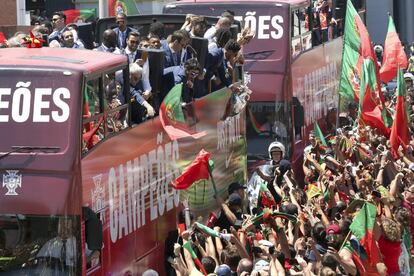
x=116, y=111
x=91, y=97
x=40, y=245
x=268, y=122
x=93, y=127
x=296, y=39
x=305, y=31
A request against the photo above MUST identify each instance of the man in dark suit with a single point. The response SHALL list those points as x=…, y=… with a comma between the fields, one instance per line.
x=108, y=43
x=134, y=56
x=122, y=31
x=175, y=55
x=219, y=64
x=59, y=23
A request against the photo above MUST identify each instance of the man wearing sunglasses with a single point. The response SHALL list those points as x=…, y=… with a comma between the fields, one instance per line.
x=58, y=23
x=122, y=31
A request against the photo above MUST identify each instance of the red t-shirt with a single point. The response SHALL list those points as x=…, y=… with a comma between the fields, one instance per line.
x=391, y=252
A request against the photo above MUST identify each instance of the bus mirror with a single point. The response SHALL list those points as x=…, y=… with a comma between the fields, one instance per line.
x=93, y=229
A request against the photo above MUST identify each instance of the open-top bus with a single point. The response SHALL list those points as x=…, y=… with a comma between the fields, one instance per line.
x=85, y=192
x=293, y=75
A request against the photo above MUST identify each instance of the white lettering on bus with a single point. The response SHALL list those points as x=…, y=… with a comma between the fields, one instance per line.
x=265, y=26
x=228, y=133
x=41, y=111
x=127, y=205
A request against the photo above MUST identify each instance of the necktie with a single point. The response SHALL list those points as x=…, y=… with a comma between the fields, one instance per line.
x=122, y=39
x=63, y=251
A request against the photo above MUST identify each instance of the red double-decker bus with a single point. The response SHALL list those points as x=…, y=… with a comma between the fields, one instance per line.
x=292, y=71
x=85, y=192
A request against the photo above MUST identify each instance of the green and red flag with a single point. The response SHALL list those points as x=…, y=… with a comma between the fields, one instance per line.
x=172, y=116
x=394, y=54
x=207, y=230
x=369, y=105
x=400, y=133
x=357, y=47
x=362, y=227
x=187, y=245
x=255, y=124
x=128, y=7
x=79, y=15
x=196, y=171
x=319, y=134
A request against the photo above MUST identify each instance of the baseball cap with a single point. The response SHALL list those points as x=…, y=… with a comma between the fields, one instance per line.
x=333, y=229
x=223, y=270
x=234, y=187
x=235, y=199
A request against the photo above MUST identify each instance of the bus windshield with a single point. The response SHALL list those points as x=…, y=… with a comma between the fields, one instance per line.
x=39, y=245
x=35, y=104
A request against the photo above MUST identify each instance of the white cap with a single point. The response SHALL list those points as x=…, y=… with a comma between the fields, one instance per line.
x=409, y=76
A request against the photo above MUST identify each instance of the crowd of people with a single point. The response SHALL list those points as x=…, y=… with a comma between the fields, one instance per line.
x=280, y=223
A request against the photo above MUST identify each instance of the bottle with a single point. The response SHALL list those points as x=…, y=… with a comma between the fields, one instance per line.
x=187, y=218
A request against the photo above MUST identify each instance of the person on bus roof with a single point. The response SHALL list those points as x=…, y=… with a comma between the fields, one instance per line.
x=175, y=54
x=68, y=40
x=134, y=56
x=59, y=23
x=220, y=63
x=108, y=43
x=222, y=23
x=122, y=31
x=140, y=106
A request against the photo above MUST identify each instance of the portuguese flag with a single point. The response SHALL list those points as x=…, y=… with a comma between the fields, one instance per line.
x=357, y=47
x=400, y=134
x=319, y=134
x=370, y=111
x=82, y=14
x=128, y=7
x=187, y=246
x=362, y=227
x=172, y=116
x=196, y=171
x=207, y=230
x=255, y=124
x=394, y=54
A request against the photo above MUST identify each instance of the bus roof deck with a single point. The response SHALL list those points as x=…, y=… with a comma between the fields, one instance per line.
x=84, y=61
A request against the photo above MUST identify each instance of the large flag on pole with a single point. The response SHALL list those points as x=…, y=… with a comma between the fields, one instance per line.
x=357, y=47
x=128, y=7
x=319, y=134
x=394, y=54
x=400, y=134
x=370, y=111
x=363, y=229
x=172, y=116
x=196, y=171
x=82, y=14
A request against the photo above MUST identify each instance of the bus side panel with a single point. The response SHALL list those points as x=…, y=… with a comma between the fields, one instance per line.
x=315, y=79
x=127, y=180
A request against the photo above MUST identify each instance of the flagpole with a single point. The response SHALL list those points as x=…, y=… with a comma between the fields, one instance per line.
x=102, y=8
x=214, y=184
